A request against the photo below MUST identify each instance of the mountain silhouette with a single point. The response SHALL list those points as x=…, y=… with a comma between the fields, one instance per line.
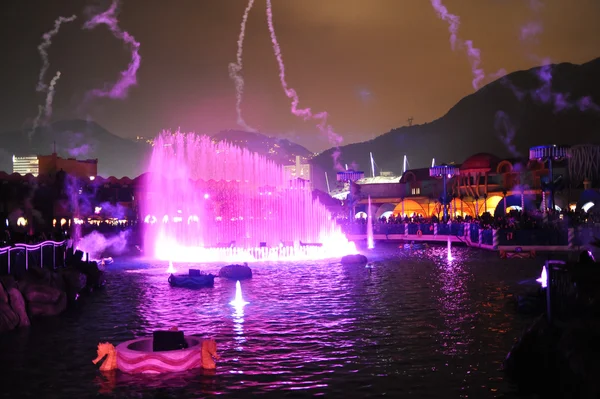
x=481, y=121
x=281, y=151
x=77, y=139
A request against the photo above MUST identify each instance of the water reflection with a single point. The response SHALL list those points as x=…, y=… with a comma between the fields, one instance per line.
x=238, y=315
x=454, y=302
x=412, y=325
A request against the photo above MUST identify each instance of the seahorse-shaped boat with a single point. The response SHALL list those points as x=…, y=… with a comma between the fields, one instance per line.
x=137, y=356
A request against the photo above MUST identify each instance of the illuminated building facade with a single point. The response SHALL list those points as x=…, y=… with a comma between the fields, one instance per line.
x=26, y=165
x=485, y=183
x=49, y=165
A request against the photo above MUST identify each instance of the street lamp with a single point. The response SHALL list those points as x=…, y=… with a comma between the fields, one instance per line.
x=445, y=172
x=549, y=153
x=350, y=177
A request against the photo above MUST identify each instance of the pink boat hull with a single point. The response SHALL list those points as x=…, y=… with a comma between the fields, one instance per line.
x=136, y=356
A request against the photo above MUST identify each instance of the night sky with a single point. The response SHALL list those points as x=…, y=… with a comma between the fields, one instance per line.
x=371, y=64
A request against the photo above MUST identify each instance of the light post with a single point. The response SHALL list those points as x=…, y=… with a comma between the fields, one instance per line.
x=350, y=176
x=549, y=153
x=445, y=172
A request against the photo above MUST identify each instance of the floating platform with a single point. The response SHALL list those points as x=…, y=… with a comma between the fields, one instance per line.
x=194, y=280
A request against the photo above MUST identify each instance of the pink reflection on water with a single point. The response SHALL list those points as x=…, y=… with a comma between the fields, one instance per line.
x=454, y=298
x=238, y=315
x=220, y=203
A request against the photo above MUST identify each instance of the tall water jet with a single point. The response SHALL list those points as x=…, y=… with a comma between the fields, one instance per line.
x=238, y=302
x=543, y=279
x=214, y=202
x=449, y=250
x=370, y=241
x=171, y=269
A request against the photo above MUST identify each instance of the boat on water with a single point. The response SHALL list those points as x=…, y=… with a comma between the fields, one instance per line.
x=194, y=280
x=414, y=246
x=166, y=352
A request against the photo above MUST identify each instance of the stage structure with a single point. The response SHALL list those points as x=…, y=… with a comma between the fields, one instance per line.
x=445, y=172
x=549, y=153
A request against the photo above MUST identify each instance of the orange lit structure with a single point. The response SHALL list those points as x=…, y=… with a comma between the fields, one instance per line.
x=485, y=183
x=49, y=165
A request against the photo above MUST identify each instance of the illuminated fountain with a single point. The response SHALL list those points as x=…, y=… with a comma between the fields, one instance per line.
x=171, y=269
x=543, y=280
x=449, y=249
x=238, y=315
x=207, y=202
x=370, y=241
x=238, y=302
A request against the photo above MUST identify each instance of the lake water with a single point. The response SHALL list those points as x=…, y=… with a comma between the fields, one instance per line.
x=414, y=325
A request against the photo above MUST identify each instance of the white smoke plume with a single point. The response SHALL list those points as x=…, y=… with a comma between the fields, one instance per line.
x=50, y=96
x=235, y=69
x=43, y=49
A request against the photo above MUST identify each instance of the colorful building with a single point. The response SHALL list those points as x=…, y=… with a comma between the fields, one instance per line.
x=485, y=183
x=49, y=165
x=26, y=165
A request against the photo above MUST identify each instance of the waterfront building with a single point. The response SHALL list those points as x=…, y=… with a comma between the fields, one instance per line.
x=51, y=164
x=26, y=165
x=486, y=183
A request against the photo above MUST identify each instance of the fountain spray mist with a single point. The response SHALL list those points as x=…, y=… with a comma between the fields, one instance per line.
x=43, y=49
x=473, y=54
x=120, y=88
x=306, y=113
x=235, y=69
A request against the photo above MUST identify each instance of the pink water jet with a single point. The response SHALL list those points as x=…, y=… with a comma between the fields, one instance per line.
x=214, y=202
x=370, y=239
x=238, y=302
x=171, y=269
x=543, y=279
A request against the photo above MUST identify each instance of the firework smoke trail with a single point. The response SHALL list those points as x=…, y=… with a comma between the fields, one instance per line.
x=235, y=70
x=43, y=49
x=50, y=96
x=306, y=113
x=532, y=29
x=120, y=88
x=506, y=132
x=474, y=54
x=47, y=110
x=36, y=122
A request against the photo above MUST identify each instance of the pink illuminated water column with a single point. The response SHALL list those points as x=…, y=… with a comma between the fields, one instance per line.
x=204, y=194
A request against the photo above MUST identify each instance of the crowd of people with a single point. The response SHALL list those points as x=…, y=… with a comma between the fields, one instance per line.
x=514, y=220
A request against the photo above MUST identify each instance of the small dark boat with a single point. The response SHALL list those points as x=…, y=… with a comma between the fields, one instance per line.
x=194, y=280
x=236, y=272
x=414, y=246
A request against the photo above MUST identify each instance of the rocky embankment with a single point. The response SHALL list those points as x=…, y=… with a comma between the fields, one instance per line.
x=43, y=292
x=560, y=358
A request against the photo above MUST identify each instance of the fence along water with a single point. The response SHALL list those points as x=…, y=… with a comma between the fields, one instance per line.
x=18, y=258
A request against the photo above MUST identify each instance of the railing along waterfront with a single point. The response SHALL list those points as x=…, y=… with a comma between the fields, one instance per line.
x=556, y=238
x=18, y=258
